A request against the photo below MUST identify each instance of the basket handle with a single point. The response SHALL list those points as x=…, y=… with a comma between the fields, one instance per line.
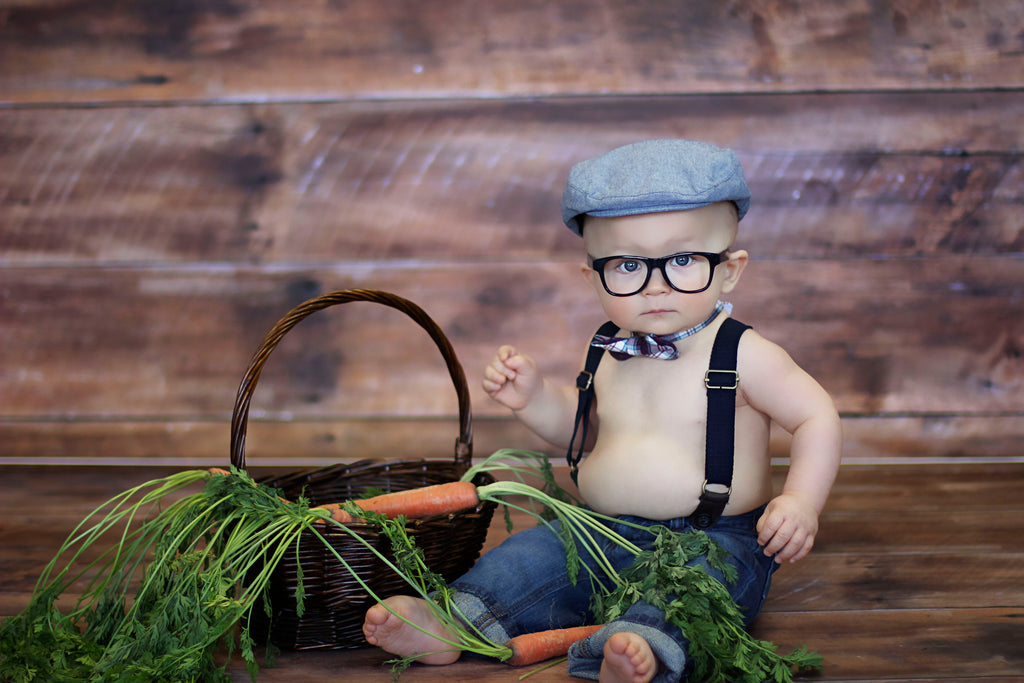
x=240, y=414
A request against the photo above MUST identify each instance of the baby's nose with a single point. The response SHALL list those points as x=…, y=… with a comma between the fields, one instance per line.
x=658, y=283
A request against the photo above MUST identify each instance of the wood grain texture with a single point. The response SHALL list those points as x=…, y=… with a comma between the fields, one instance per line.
x=305, y=442
x=954, y=644
x=92, y=50
x=174, y=176
x=832, y=174
x=175, y=342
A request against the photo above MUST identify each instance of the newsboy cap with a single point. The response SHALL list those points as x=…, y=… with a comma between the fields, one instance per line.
x=651, y=177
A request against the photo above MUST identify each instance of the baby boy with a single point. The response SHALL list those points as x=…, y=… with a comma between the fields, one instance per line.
x=658, y=220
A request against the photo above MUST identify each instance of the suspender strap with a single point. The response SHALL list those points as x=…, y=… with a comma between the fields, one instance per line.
x=721, y=381
x=585, y=384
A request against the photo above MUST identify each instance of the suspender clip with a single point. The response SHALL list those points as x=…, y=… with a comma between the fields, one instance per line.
x=712, y=504
x=715, y=491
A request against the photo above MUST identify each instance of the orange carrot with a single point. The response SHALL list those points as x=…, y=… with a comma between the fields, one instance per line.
x=438, y=499
x=426, y=501
x=531, y=648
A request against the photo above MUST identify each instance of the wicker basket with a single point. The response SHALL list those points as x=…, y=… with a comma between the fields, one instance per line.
x=335, y=603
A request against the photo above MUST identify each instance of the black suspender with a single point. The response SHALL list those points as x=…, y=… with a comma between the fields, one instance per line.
x=721, y=381
x=585, y=383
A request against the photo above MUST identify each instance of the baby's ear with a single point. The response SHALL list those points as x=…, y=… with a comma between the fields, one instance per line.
x=592, y=278
x=734, y=268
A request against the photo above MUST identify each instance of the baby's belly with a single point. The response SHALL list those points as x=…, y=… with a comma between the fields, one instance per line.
x=646, y=481
x=662, y=481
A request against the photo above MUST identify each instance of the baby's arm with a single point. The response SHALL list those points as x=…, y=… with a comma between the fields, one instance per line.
x=548, y=410
x=776, y=385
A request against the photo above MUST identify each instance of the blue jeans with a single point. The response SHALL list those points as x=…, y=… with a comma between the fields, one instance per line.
x=522, y=587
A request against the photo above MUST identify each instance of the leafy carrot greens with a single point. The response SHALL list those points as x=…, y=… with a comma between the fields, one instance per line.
x=191, y=562
x=200, y=564
x=671, y=578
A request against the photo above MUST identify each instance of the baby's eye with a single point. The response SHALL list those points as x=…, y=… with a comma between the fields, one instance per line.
x=629, y=266
x=681, y=260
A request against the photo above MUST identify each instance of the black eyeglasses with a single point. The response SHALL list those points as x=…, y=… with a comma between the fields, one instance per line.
x=689, y=272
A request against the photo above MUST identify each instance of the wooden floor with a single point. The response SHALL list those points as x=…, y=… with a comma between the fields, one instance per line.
x=918, y=574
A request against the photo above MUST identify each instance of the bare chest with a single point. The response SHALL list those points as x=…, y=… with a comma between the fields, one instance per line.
x=648, y=391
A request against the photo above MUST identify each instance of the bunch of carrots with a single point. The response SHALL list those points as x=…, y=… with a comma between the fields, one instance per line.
x=203, y=563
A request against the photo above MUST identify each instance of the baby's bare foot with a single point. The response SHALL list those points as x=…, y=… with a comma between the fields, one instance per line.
x=390, y=633
x=628, y=659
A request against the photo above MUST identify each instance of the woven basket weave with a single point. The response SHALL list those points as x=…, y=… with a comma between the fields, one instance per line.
x=334, y=602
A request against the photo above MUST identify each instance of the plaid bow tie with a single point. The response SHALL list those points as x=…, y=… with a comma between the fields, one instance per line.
x=660, y=346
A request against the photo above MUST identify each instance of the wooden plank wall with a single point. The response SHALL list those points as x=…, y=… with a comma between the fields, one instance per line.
x=174, y=176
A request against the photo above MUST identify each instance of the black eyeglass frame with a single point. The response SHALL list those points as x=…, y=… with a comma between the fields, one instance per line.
x=714, y=259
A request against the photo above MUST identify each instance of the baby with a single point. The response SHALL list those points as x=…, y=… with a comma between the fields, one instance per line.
x=658, y=221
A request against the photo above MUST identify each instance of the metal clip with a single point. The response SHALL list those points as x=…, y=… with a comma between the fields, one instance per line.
x=705, y=489
x=584, y=381
x=719, y=384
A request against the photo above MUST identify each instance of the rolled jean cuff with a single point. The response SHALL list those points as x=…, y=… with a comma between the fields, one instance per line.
x=587, y=655
x=474, y=611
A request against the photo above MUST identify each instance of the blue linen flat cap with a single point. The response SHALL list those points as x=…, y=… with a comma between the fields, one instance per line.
x=653, y=176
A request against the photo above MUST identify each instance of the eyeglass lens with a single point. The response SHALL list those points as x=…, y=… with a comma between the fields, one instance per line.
x=684, y=272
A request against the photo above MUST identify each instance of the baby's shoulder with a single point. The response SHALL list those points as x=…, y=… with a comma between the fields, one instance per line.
x=762, y=361
x=755, y=346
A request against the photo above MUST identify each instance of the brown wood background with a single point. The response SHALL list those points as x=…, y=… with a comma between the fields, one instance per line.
x=174, y=176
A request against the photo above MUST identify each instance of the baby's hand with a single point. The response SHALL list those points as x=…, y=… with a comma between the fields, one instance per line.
x=512, y=378
x=787, y=528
